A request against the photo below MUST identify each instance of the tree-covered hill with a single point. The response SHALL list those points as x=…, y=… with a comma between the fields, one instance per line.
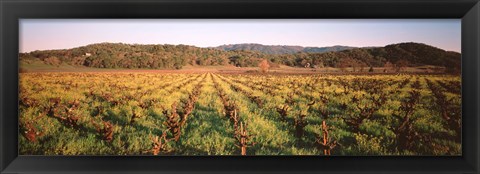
x=326, y=49
x=281, y=49
x=118, y=55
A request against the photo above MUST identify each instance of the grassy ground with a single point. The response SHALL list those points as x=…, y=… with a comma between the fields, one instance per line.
x=137, y=105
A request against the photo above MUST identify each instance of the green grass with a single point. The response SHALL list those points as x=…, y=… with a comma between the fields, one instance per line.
x=208, y=131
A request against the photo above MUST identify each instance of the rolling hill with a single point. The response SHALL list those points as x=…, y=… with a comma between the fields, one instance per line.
x=281, y=49
x=119, y=55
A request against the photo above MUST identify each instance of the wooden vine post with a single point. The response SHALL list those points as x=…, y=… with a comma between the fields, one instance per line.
x=243, y=138
x=325, y=137
x=324, y=143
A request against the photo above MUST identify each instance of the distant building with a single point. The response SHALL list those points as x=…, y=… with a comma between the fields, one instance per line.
x=88, y=54
x=307, y=65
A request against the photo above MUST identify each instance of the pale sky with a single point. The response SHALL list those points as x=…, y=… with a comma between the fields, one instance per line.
x=47, y=34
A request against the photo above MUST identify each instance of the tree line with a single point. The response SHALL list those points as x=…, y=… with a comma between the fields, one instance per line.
x=119, y=55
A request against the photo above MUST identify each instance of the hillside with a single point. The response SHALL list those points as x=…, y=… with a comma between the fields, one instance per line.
x=326, y=49
x=280, y=49
x=118, y=55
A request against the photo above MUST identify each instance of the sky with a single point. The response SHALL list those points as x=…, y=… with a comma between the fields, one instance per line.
x=48, y=34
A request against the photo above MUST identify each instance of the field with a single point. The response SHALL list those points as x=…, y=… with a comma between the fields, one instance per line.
x=215, y=113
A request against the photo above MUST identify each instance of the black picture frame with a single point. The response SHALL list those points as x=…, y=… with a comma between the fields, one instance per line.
x=13, y=10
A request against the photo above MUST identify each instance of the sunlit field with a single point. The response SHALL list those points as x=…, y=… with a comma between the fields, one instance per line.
x=147, y=113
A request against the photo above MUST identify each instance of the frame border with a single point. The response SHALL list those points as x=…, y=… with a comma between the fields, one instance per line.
x=13, y=10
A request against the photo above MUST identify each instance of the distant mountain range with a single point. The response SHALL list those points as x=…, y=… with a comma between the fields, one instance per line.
x=281, y=49
x=119, y=55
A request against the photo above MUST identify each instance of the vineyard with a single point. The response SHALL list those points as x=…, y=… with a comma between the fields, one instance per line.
x=125, y=113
